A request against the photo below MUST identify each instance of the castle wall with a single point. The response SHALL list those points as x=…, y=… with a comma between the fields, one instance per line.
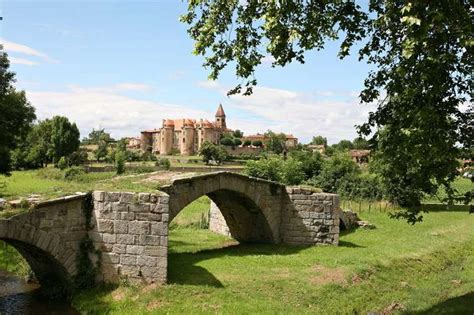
x=187, y=142
x=166, y=140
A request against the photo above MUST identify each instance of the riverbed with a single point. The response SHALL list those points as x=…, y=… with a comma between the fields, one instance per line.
x=20, y=297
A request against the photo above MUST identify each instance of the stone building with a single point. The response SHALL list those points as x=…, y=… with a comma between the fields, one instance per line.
x=290, y=140
x=184, y=136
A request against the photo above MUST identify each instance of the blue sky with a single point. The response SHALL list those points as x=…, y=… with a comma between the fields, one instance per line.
x=126, y=65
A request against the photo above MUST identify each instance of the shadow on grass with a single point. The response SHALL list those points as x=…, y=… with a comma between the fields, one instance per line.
x=459, y=305
x=437, y=207
x=183, y=268
x=94, y=299
x=349, y=244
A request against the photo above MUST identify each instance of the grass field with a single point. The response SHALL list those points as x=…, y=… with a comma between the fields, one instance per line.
x=427, y=268
x=421, y=269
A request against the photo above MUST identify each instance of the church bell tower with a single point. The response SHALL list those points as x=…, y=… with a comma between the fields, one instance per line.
x=220, y=118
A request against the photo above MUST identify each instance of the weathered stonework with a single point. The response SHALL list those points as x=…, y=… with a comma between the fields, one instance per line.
x=307, y=218
x=131, y=232
x=217, y=222
x=48, y=238
x=310, y=217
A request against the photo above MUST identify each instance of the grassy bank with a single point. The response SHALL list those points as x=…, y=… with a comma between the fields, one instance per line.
x=396, y=267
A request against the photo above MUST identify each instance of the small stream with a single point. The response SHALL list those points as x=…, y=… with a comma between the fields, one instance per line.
x=19, y=297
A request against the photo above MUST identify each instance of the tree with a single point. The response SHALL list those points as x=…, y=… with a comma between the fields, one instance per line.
x=16, y=115
x=120, y=162
x=101, y=151
x=335, y=171
x=247, y=143
x=320, y=140
x=64, y=137
x=257, y=143
x=343, y=145
x=95, y=136
x=236, y=142
x=275, y=142
x=360, y=143
x=227, y=142
x=237, y=134
x=423, y=62
x=211, y=152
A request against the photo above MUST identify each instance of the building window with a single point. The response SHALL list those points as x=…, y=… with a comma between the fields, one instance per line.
x=184, y=139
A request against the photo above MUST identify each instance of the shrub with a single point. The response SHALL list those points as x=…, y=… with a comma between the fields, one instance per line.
x=335, y=170
x=257, y=143
x=247, y=143
x=50, y=173
x=212, y=152
x=74, y=173
x=62, y=163
x=265, y=168
x=227, y=142
x=78, y=157
x=120, y=162
x=163, y=163
x=237, y=142
x=292, y=172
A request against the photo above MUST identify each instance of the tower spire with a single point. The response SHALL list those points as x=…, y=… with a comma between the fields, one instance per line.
x=220, y=118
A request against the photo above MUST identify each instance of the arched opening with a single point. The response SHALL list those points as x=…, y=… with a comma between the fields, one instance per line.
x=50, y=274
x=245, y=219
x=191, y=242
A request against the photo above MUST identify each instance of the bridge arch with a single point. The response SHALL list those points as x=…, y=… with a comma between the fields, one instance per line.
x=48, y=244
x=250, y=206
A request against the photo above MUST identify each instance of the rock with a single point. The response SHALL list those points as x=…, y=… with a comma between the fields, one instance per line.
x=365, y=225
x=349, y=219
x=3, y=203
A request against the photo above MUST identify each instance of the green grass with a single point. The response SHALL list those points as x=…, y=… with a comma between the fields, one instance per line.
x=426, y=268
x=193, y=215
x=50, y=183
x=12, y=261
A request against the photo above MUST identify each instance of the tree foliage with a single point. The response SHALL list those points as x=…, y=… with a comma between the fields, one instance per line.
x=211, y=152
x=16, y=115
x=275, y=142
x=320, y=140
x=422, y=53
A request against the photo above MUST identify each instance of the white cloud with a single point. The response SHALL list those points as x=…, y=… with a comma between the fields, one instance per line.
x=22, y=61
x=301, y=114
x=26, y=50
x=98, y=107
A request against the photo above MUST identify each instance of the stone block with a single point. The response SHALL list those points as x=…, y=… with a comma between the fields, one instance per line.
x=105, y=226
x=139, y=227
x=125, y=239
x=121, y=227
x=98, y=195
x=110, y=258
x=148, y=261
x=144, y=197
x=130, y=260
x=135, y=249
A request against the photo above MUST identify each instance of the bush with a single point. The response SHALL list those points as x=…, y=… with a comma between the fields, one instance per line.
x=292, y=172
x=247, y=143
x=257, y=143
x=120, y=162
x=62, y=163
x=227, y=142
x=50, y=173
x=336, y=170
x=237, y=142
x=74, y=173
x=148, y=156
x=212, y=152
x=163, y=163
x=78, y=157
x=265, y=168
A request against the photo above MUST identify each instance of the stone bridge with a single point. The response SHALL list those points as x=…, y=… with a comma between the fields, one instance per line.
x=130, y=230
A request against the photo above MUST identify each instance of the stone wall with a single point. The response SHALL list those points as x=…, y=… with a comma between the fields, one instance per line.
x=310, y=217
x=217, y=222
x=132, y=235
x=48, y=237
